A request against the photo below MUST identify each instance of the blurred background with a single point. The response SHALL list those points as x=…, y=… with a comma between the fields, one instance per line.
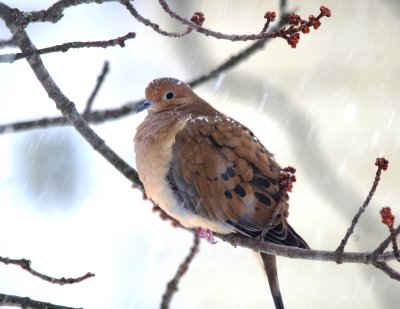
x=328, y=108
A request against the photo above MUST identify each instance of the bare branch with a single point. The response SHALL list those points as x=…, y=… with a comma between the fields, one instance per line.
x=388, y=270
x=10, y=58
x=99, y=116
x=26, y=265
x=8, y=43
x=27, y=303
x=387, y=241
x=304, y=254
x=394, y=243
x=270, y=17
x=99, y=83
x=282, y=6
x=55, y=12
x=154, y=26
x=388, y=220
x=172, y=286
x=290, y=34
x=382, y=165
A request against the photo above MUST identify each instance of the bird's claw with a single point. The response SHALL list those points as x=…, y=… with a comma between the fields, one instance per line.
x=207, y=235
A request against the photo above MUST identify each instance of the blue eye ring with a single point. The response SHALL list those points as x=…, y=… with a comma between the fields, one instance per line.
x=169, y=95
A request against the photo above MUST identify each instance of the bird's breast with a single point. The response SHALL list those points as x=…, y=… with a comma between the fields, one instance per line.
x=153, y=147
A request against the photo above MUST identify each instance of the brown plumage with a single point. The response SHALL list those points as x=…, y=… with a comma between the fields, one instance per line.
x=208, y=171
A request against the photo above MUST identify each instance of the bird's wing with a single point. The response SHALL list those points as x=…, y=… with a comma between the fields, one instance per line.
x=221, y=172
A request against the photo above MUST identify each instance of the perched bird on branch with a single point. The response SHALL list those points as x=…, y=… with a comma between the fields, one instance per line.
x=210, y=172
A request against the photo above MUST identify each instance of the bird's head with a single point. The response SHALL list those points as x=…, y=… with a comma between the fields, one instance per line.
x=164, y=93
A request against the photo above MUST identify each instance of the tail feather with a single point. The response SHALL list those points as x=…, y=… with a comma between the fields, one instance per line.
x=269, y=262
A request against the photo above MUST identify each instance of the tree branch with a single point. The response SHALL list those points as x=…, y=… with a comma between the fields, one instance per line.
x=26, y=265
x=10, y=58
x=305, y=254
x=27, y=303
x=382, y=164
x=290, y=34
x=55, y=12
x=149, y=23
x=388, y=270
x=8, y=43
x=99, y=83
x=99, y=116
x=172, y=286
x=381, y=248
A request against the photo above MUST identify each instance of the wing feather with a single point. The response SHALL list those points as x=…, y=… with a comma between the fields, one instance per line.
x=221, y=172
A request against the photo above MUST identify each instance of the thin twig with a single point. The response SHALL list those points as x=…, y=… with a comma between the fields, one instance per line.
x=96, y=89
x=26, y=265
x=291, y=34
x=387, y=241
x=388, y=220
x=27, y=303
x=99, y=116
x=10, y=58
x=154, y=26
x=8, y=43
x=282, y=6
x=172, y=286
x=55, y=12
x=394, y=243
x=388, y=270
x=361, y=210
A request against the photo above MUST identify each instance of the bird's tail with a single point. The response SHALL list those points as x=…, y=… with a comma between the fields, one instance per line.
x=269, y=262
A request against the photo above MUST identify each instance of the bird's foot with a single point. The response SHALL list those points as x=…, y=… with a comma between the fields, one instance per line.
x=207, y=235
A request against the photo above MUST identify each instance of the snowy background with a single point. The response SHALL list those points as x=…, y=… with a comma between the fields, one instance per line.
x=328, y=107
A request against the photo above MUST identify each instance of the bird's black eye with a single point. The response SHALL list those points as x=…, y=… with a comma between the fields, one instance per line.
x=169, y=95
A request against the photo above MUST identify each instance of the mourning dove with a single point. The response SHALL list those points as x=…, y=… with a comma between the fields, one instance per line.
x=208, y=171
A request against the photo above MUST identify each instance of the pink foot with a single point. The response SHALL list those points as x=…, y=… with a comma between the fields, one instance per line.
x=207, y=235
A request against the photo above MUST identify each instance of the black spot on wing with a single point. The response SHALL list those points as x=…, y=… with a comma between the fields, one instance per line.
x=261, y=182
x=228, y=195
x=264, y=183
x=262, y=198
x=230, y=171
x=239, y=190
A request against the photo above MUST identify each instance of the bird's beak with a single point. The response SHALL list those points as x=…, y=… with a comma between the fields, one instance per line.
x=145, y=105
